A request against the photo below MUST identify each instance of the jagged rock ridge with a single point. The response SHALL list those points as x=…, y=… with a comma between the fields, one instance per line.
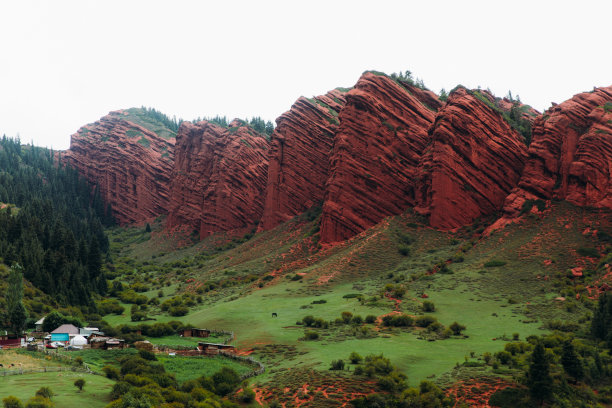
x=473, y=160
x=219, y=178
x=570, y=157
x=382, y=133
x=299, y=157
x=130, y=164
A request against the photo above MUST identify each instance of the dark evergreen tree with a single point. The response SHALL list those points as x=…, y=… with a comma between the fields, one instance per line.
x=51, y=220
x=539, y=380
x=16, y=311
x=571, y=362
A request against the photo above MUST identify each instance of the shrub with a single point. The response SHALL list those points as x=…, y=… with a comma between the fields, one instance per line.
x=320, y=323
x=509, y=398
x=404, y=250
x=355, y=358
x=503, y=357
x=319, y=302
x=246, y=396
x=457, y=328
x=590, y=252
x=346, y=317
x=424, y=321
x=308, y=321
x=138, y=316
x=109, y=306
x=39, y=402
x=111, y=372
x=435, y=327
x=357, y=320
x=147, y=355
x=78, y=361
x=311, y=335
x=79, y=383
x=487, y=357
x=178, y=311
x=337, y=365
x=225, y=381
x=11, y=402
x=370, y=319
x=45, y=392
x=429, y=306
x=401, y=320
x=494, y=263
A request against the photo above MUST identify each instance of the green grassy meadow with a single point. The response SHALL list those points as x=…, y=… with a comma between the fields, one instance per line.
x=190, y=368
x=95, y=394
x=499, y=285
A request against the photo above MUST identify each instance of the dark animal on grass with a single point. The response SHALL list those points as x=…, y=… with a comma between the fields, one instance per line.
x=274, y=314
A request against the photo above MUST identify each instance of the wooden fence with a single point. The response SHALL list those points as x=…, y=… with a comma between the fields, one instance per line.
x=248, y=360
x=19, y=371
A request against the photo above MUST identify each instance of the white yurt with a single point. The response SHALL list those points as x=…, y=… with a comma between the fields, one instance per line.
x=78, y=341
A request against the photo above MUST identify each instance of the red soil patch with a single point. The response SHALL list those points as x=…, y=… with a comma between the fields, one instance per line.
x=476, y=393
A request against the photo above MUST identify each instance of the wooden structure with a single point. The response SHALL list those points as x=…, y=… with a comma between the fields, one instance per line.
x=106, y=343
x=215, y=348
x=144, y=345
x=194, y=332
x=7, y=342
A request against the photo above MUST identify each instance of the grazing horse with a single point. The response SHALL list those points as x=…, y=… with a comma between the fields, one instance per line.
x=274, y=314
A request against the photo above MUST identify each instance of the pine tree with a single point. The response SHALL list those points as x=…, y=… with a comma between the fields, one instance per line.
x=443, y=95
x=571, y=362
x=16, y=311
x=539, y=380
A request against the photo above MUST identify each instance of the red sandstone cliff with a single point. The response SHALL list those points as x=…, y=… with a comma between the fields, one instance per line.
x=130, y=163
x=299, y=157
x=473, y=161
x=219, y=178
x=570, y=156
x=382, y=134
x=193, y=168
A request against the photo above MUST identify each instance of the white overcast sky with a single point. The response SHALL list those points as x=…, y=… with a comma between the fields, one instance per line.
x=67, y=63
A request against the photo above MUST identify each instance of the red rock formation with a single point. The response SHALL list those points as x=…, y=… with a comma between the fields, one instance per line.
x=299, y=157
x=382, y=133
x=219, y=178
x=130, y=163
x=473, y=161
x=570, y=156
x=193, y=168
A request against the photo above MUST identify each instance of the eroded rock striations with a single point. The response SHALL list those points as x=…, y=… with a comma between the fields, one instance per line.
x=473, y=161
x=377, y=147
x=570, y=157
x=299, y=157
x=219, y=178
x=130, y=163
x=193, y=168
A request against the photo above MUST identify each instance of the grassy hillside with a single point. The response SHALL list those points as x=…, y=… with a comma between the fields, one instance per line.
x=510, y=284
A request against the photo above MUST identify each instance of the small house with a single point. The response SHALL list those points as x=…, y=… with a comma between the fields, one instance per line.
x=215, y=348
x=88, y=331
x=194, y=332
x=39, y=324
x=106, y=343
x=113, y=343
x=64, y=333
